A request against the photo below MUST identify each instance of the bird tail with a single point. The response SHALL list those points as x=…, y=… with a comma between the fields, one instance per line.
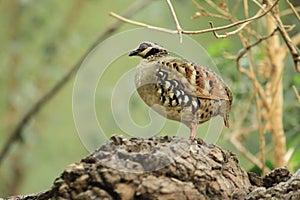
x=224, y=112
x=226, y=120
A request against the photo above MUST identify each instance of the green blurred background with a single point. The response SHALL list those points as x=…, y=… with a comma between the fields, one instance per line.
x=41, y=40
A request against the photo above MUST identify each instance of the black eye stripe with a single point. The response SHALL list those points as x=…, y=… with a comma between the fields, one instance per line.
x=151, y=52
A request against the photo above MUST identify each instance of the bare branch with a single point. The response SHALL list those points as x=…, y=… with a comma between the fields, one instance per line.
x=296, y=92
x=251, y=19
x=142, y=24
x=217, y=8
x=242, y=53
x=289, y=43
x=179, y=29
x=240, y=132
x=248, y=73
x=245, y=152
x=296, y=39
x=273, y=105
x=205, y=12
x=258, y=111
x=262, y=141
x=232, y=24
x=289, y=11
x=293, y=9
x=293, y=50
x=227, y=33
x=246, y=8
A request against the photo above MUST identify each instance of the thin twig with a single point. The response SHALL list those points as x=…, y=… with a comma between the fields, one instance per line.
x=232, y=24
x=244, y=51
x=293, y=50
x=293, y=9
x=295, y=40
x=245, y=152
x=246, y=8
x=235, y=7
x=124, y=19
x=262, y=6
x=179, y=29
x=296, y=92
x=16, y=133
x=258, y=111
x=240, y=132
x=273, y=105
x=217, y=8
x=258, y=116
x=289, y=11
x=289, y=43
x=205, y=12
x=257, y=100
x=249, y=74
x=227, y=33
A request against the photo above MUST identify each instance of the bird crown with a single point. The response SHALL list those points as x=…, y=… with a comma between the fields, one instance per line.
x=148, y=49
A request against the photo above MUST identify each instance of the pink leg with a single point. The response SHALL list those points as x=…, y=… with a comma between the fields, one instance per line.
x=193, y=131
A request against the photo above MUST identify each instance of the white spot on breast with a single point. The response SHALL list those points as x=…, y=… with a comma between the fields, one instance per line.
x=194, y=103
x=160, y=73
x=180, y=100
x=167, y=84
x=186, y=99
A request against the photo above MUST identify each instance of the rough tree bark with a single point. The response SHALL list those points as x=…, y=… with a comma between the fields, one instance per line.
x=166, y=168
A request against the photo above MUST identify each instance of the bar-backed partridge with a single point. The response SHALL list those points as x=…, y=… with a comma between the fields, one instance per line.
x=179, y=89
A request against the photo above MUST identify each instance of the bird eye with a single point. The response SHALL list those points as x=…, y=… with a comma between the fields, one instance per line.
x=143, y=46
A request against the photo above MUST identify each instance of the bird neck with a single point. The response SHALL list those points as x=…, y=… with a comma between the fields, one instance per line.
x=157, y=55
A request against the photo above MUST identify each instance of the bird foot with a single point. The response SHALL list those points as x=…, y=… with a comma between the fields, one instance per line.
x=192, y=137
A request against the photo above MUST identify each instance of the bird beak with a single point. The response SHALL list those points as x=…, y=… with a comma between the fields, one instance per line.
x=134, y=52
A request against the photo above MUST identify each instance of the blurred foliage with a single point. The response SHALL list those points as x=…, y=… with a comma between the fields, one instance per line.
x=41, y=40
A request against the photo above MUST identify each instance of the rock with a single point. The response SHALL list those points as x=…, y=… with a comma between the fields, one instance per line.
x=166, y=168
x=279, y=184
x=156, y=168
